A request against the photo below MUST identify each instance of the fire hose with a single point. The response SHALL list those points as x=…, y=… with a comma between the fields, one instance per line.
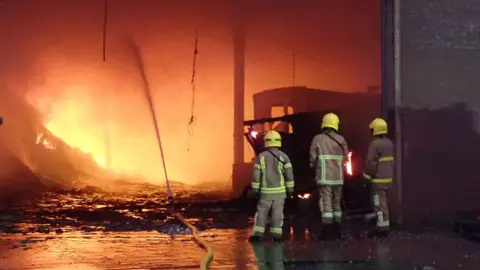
x=208, y=257
x=204, y=263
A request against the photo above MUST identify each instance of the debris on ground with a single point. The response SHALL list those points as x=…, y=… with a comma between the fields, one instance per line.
x=139, y=209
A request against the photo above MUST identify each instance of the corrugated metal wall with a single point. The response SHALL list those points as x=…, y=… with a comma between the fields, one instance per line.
x=440, y=79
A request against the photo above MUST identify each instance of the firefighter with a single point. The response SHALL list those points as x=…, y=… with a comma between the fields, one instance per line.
x=328, y=154
x=379, y=169
x=272, y=180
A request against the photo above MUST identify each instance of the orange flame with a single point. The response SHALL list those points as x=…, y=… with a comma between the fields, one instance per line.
x=41, y=139
x=348, y=165
x=304, y=196
x=66, y=119
x=84, y=145
x=79, y=120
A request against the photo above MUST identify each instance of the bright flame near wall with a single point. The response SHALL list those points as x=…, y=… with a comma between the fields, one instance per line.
x=348, y=165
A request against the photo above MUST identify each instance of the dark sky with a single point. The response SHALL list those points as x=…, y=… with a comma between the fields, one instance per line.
x=51, y=52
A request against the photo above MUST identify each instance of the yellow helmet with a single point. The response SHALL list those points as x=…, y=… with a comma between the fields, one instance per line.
x=379, y=126
x=330, y=120
x=272, y=139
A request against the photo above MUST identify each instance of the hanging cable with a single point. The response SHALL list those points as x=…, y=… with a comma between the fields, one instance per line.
x=192, y=120
x=105, y=12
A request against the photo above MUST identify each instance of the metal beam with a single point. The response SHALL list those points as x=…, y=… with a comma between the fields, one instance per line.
x=398, y=105
x=384, y=67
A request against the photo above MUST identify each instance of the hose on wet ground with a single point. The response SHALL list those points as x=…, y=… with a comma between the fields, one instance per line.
x=208, y=257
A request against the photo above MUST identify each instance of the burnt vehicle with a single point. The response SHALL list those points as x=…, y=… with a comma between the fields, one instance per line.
x=303, y=112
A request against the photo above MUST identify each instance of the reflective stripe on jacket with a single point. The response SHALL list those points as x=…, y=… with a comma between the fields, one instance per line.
x=271, y=176
x=328, y=157
x=379, y=164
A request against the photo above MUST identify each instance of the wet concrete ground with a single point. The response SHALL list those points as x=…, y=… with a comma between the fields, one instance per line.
x=151, y=250
x=89, y=230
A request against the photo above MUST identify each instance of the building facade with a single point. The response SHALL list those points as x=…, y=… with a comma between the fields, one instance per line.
x=431, y=77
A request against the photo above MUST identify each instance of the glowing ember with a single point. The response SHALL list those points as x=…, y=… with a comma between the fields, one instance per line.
x=348, y=165
x=101, y=161
x=41, y=139
x=304, y=196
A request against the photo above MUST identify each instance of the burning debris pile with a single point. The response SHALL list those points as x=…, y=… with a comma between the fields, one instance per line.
x=64, y=165
x=32, y=158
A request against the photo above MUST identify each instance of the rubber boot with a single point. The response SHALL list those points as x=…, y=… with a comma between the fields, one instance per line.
x=277, y=238
x=337, y=230
x=256, y=238
x=328, y=232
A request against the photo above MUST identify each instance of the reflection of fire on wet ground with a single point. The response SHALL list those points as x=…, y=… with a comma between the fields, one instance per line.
x=142, y=208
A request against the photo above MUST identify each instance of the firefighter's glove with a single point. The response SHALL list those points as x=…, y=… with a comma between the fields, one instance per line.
x=290, y=195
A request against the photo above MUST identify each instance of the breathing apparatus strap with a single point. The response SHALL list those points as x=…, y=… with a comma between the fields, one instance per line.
x=339, y=144
x=270, y=151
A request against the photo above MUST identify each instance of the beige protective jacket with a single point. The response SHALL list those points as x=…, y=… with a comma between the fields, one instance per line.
x=328, y=153
x=379, y=164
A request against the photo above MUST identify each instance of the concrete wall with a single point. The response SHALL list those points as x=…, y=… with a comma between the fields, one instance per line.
x=440, y=69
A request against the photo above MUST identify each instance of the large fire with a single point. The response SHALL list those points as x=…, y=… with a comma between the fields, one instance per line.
x=80, y=141
x=114, y=131
x=43, y=140
x=70, y=119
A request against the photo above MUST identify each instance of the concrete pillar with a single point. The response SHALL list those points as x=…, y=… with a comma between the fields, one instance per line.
x=241, y=170
x=239, y=90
